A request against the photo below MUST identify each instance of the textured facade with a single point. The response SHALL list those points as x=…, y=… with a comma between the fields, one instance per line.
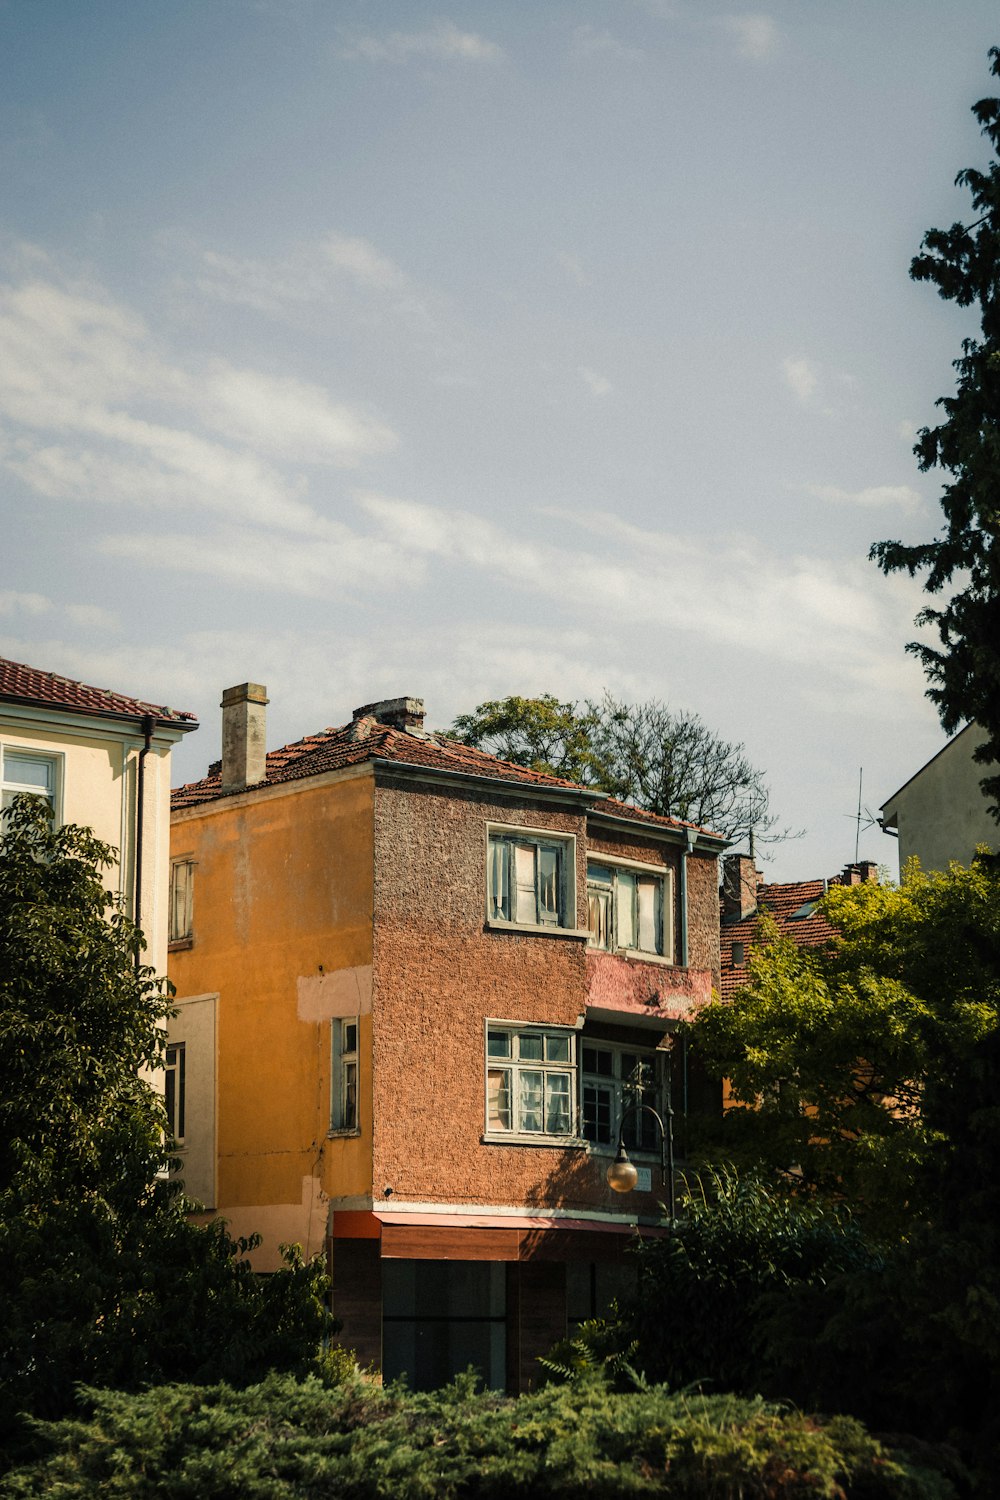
x=437, y=983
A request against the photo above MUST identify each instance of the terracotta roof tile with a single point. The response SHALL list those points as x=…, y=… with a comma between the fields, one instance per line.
x=30, y=685
x=353, y=744
x=782, y=902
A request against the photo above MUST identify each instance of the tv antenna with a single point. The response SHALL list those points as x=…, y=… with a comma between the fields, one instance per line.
x=863, y=819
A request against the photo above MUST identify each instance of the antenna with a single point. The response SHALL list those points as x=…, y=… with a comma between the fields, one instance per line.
x=864, y=818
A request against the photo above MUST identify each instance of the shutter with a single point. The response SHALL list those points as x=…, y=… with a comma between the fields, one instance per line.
x=526, y=899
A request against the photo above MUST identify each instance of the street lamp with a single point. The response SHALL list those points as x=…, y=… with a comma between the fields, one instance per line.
x=622, y=1175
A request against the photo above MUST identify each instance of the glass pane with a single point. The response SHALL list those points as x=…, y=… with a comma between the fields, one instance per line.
x=530, y=1045
x=599, y=917
x=599, y=1060
x=557, y=1047
x=499, y=863
x=498, y=1099
x=625, y=908
x=526, y=900
x=557, y=1103
x=498, y=1043
x=597, y=1112
x=648, y=901
x=548, y=885
x=350, y=1096
x=29, y=771
x=599, y=873
x=531, y=1100
x=350, y=1037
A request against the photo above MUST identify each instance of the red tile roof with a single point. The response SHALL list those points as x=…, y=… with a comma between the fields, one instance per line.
x=29, y=685
x=781, y=902
x=336, y=748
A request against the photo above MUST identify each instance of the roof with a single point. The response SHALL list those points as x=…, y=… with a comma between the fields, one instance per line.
x=31, y=686
x=781, y=902
x=886, y=807
x=367, y=740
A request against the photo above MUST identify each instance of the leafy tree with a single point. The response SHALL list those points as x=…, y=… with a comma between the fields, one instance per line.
x=105, y=1279
x=666, y=761
x=964, y=562
x=850, y=1065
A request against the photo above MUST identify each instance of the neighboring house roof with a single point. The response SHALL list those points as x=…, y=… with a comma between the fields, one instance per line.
x=791, y=907
x=364, y=740
x=30, y=686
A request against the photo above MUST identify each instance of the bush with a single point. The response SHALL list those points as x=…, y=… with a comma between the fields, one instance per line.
x=294, y=1440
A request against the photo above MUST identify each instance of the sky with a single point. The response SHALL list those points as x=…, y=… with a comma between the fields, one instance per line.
x=366, y=348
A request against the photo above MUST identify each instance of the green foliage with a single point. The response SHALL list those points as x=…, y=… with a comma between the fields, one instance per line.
x=598, y=1350
x=644, y=753
x=964, y=563
x=708, y=1291
x=298, y=1439
x=105, y=1278
x=852, y=1064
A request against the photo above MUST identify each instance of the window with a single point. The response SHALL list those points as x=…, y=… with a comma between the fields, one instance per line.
x=613, y=1078
x=530, y=1081
x=344, y=1101
x=627, y=908
x=24, y=771
x=174, y=1087
x=181, y=900
x=529, y=879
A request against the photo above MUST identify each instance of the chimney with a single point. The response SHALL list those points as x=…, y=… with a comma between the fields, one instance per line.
x=397, y=713
x=739, y=887
x=244, y=736
x=869, y=871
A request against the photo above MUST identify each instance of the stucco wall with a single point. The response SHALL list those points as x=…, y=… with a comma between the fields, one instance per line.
x=941, y=813
x=282, y=934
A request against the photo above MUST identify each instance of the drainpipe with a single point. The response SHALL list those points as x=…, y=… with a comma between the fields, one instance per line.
x=148, y=725
x=692, y=838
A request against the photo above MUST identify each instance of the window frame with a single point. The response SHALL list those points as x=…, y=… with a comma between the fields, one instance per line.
x=185, y=939
x=55, y=758
x=508, y=837
x=637, y=1142
x=345, y=1073
x=175, y=1098
x=663, y=875
x=515, y=1065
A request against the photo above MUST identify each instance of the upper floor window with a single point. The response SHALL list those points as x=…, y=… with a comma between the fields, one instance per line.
x=181, y=922
x=612, y=1080
x=530, y=879
x=530, y=1078
x=628, y=908
x=26, y=771
x=344, y=1100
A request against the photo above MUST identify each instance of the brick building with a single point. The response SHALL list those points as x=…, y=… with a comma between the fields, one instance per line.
x=790, y=905
x=417, y=988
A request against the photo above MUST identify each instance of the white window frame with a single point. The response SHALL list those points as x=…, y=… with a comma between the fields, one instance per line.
x=53, y=758
x=345, y=1103
x=181, y=923
x=621, y=1089
x=175, y=1090
x=509, y=849
x=605, y=897
x=520, y=1096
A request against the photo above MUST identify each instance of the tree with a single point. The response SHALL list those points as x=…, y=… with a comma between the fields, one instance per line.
x=964, y=674
x=665, y=761
x=852, y=1065
x=105, y=1279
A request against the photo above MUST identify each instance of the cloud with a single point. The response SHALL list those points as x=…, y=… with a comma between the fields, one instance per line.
x=598, y=385
x=289, y=417
x=908, y=430
x=13, y=603
x=588, y=41
x=92, y=617
x=801, y=378
x=755, y=36
x=364, y=262
x=443, y=41
x=872, y=497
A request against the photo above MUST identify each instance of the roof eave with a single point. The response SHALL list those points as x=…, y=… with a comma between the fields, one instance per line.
x=39, y=705
x=413, y=770
x=674, y=832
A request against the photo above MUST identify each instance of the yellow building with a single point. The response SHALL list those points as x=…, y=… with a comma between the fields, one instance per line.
x=102, y=760
x=420, y=991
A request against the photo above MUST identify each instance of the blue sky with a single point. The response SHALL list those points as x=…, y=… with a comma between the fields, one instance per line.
x=468, y=349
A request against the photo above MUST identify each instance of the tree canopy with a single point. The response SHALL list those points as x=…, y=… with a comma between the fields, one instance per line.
x=963, y=563
x=105, y=1278
x=664, y=760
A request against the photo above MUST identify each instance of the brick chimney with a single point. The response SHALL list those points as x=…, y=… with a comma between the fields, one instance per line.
x=860, y=874
x=739, y=887
x=397, y=713
x=244, y=736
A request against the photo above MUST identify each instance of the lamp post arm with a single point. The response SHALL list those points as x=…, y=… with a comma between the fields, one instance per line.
x=666, y=1145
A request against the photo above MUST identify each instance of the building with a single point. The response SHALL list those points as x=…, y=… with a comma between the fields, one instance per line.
x=744, y=895
x=417, y=988
x=940, y=814
x=100, y=759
